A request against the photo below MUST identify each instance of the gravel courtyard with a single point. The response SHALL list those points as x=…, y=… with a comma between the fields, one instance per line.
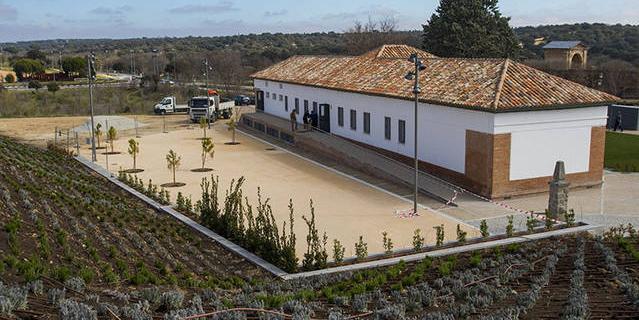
x=345, y=208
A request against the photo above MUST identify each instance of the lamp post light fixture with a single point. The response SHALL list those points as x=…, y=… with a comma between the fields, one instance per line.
x=90, y=69
x=414, y=75
x=208, y=95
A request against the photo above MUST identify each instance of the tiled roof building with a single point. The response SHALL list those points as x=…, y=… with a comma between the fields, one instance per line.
x=486, y=84
x=494, y=126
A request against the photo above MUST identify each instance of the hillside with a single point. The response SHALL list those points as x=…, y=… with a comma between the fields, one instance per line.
x=606, y=41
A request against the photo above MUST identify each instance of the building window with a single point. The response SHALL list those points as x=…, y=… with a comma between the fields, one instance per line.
x=266, y=83
x=401, y=126
x=387, y=128
x=353, y=119
x=305, y=105
x=268, y=95
x=367, y=123
x=340, y=116
x=315, y=106
x=274, y=96
x=286, y=103
x=281, y=97
x=297, y=105
x=281, y=86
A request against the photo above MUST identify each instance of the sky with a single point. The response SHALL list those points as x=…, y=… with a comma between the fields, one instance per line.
x=22, y=20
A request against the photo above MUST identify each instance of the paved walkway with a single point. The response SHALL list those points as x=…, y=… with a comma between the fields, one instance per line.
x=614, y=206
x=354, y=154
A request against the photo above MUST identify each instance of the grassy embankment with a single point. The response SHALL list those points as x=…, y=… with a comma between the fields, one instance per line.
x=622, y=152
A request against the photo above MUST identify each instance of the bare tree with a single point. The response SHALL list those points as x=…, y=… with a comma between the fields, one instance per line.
x=618, y=76
x=363, y=37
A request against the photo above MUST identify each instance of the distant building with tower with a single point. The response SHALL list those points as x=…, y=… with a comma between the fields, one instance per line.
x=566, y=54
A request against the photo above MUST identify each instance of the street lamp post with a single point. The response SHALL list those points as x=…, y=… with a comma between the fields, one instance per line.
x=90, y=67
x=208, y=95
x=414, y=75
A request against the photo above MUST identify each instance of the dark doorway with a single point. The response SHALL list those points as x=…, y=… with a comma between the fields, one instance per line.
x=259, y=100
x=325, y=117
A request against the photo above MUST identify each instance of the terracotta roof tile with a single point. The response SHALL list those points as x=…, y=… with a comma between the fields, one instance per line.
x=486, y=84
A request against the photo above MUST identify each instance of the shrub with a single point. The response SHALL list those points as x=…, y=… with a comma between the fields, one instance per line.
x=570, y=218
x=510, y=227
x=530, y=223
x=461, y=235
x=483, y=228
x=35, y=84
x=315, y=257
x=418, y=240
x=338, y=251
x=549, y=222
x=361, y=249
x=55, y=295
x=76, y=284
x=388, y=243
x=440, y=235
x=172, y=300
x=73, y=310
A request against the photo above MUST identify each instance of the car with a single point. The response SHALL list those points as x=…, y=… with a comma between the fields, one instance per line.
x=242, y=100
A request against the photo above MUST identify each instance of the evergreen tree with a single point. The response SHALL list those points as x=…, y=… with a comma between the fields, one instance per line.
x=470, y=29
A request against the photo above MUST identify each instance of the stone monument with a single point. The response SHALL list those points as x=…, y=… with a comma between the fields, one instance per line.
x=558, y=199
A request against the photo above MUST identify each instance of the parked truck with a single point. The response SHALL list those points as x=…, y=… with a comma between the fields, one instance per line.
x=211, y=107
x=169, y=105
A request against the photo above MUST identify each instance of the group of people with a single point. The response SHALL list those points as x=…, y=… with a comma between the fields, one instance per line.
x=311, y=119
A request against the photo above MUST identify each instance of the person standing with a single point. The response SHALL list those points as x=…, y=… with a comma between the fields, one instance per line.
x=306, y=118
x=618, y=123
x=293, y=121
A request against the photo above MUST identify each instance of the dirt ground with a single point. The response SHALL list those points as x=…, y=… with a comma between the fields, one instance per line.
x=40, y=130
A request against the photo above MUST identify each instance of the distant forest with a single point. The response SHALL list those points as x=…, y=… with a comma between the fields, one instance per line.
x=613, y=56
x=619, y=42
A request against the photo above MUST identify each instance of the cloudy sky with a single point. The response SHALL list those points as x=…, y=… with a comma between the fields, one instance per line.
x=52, y=19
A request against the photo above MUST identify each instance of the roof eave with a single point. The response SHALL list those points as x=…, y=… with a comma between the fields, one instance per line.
x=489, y=109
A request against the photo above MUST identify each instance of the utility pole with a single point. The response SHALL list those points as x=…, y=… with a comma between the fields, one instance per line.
x=208, y=95
x=90, y=67
x=414, y=75
x=132, y=68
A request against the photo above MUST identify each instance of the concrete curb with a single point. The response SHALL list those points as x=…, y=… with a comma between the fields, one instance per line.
x=440, y=253
x=187, y=221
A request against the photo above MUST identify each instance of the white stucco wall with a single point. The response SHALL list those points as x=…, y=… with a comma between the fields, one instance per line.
x=539, y=138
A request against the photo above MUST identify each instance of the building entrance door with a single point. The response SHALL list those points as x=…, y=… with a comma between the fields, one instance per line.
x=325, y=117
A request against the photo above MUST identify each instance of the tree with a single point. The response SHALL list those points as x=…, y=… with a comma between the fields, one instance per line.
x=203, y=125
x=232, y=124
x=471, y=29
x=74, y=66
x=35, y=84
x=173, y=162
x=35, y=54
x=134, y=150
x=112, y=135
x=208, y=148
x=53, y=87
x=10, y=78
x=27, y=67
x=98, y=133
